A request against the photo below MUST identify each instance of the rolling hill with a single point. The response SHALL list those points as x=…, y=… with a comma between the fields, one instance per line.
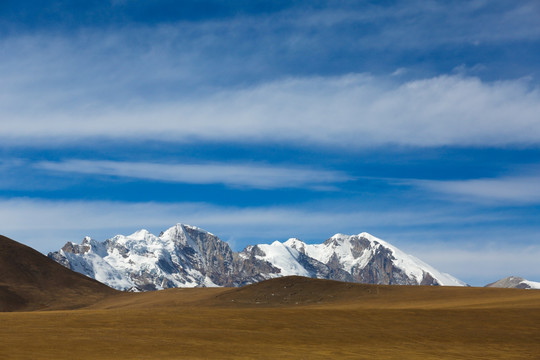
x=31, y=281
x=285, y=318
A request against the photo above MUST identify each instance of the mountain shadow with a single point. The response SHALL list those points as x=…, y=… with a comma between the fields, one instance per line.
x=31, y=281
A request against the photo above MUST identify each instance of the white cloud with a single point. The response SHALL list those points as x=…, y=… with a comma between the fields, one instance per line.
x=29, y=219
x=237, y=175
x=105, y=218
x=187, y=81
x=349, y=111
x=517, y=189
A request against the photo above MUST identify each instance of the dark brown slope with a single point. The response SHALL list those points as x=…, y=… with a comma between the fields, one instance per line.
x=296, y=291
x=31, y=281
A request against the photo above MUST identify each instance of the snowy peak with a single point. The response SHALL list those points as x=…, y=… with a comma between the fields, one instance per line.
x=283, y=257
x=295, y=243
x=140, y=235
x=143, y=261
x=180, y=231
x=187, y=256
x=515, y=282
x=175, y=233
x=369, y=259
x=360, y=258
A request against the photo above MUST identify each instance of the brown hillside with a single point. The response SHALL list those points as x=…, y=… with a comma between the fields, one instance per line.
x=303, y=319
x=295, y=291
x=31, y=281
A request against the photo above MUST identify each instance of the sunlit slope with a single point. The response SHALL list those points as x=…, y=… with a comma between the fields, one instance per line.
x=31, y=281
x=299, y=292
x=188, y=256
x=286, y=318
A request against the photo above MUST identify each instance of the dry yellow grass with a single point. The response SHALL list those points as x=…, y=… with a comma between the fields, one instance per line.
x=303, y=319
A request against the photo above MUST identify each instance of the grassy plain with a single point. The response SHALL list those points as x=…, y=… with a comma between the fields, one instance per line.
x=294, y=318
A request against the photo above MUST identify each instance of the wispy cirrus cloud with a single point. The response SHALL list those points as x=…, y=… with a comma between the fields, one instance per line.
x=347, y=111
x=262, y=77
x=251, y=175
x=510, y=189
x=309, y=220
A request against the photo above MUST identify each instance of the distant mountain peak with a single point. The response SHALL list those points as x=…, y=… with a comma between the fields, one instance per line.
x=188, y=256
x=515, y=282
x=143, y=233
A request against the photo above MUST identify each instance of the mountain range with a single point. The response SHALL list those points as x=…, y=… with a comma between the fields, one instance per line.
x=187, y=256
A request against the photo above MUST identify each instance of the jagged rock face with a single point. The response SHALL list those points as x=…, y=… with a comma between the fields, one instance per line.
x=250, y=269
x=206, y=253
x=365, y=259
x=145, y=262
x=186, y=256
x=381, y=270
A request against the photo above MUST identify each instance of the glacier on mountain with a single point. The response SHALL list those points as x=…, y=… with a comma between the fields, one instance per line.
x=187, y=256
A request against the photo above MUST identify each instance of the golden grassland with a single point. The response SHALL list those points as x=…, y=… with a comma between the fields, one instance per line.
x=293, y=318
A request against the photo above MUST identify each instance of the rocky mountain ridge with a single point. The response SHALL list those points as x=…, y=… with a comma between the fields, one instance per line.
x=187, y=256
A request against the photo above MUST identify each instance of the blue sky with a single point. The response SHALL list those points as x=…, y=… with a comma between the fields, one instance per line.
x=416, y=121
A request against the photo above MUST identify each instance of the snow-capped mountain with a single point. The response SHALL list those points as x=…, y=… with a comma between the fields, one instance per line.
x=515, y=282
x=368, y=259
x=182, y=256
x=187, y=256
